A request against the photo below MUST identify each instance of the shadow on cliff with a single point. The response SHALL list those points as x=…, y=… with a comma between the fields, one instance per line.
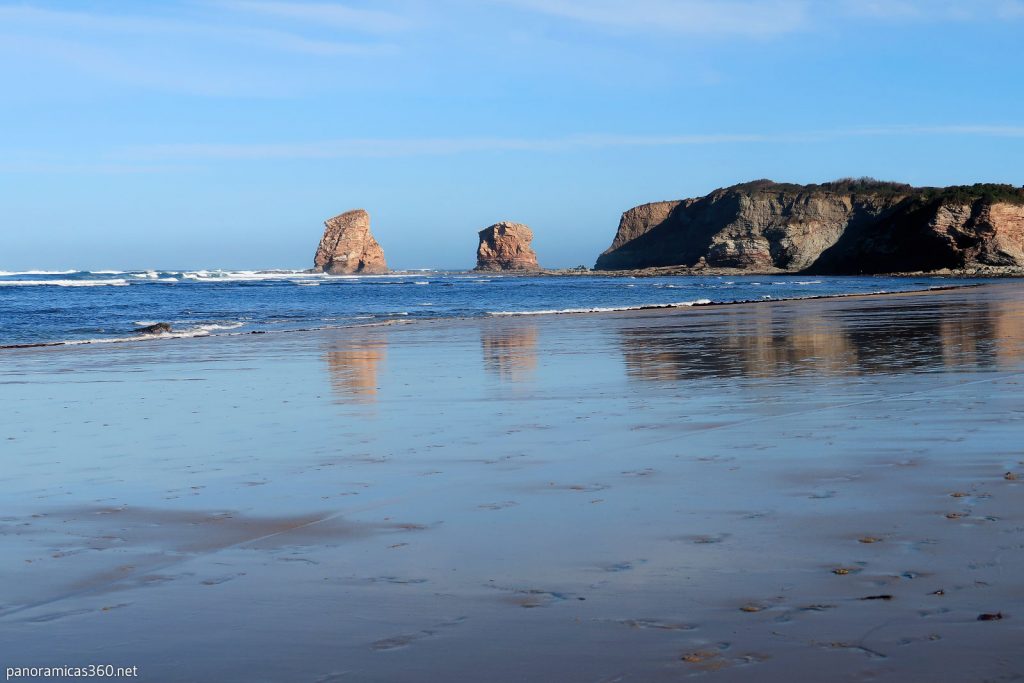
x=681, y=239
x=901, y=239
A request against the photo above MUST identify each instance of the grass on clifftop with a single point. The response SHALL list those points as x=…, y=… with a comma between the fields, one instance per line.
x=960, y=194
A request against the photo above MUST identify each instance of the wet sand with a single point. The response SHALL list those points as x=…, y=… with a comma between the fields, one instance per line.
x=825, y=490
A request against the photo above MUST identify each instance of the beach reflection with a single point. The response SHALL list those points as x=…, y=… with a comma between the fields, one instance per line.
x=510, y=352
x=928, y=334
x=353, y=363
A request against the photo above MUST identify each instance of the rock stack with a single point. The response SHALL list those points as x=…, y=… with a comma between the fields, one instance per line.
x=348, y=247
x=506, y=246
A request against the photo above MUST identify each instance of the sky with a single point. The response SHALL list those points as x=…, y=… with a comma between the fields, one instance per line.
x=222, y=133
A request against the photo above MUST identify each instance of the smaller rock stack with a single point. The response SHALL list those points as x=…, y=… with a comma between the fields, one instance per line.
x=506, y=246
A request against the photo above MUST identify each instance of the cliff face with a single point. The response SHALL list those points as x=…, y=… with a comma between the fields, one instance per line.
x=347, y=246
x=844, y=227
x=506, y=246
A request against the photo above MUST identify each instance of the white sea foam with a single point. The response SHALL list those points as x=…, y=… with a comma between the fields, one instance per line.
x=64, y=283
x=204, y=330
x=258, y=275
x=602, y=309
x=798, y=282
x=282, y=274
x=8, y=273
x=213, y=327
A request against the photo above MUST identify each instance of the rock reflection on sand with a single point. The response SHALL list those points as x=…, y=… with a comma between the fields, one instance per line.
x=354, y=363
x=510, y=352
x=869, y=338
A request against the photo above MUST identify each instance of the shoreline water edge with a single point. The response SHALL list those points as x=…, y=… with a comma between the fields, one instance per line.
x=258, y=302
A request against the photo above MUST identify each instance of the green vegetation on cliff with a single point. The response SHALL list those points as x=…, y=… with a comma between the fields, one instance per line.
x=989, y=193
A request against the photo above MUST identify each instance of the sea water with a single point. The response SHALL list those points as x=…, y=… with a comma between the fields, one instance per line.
x=41, y=307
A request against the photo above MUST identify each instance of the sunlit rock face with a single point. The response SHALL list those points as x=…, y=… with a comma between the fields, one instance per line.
x=348, y=246
x=506, y=246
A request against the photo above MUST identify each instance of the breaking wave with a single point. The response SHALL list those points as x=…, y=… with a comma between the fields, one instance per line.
x=118, y=282
x=605, y=309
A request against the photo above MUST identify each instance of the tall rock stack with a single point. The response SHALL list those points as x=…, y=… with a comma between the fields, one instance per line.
x=506, y=246
x=348, y=247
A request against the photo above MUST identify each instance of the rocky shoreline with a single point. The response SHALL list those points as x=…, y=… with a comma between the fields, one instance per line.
x=846, y=227
x=672, y=271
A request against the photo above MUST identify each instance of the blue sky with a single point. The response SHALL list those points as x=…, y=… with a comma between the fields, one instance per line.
x=221, y=133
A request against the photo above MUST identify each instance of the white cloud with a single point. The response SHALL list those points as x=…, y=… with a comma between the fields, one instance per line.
x=768, y=17
x=934, y=10
x=323, y=14
x=961, y=129
x=1011, y=9
x=24, y=19
x=390, y=147
x=178, y=51
x=883, y=9
x=158, y=158
x=383, y=147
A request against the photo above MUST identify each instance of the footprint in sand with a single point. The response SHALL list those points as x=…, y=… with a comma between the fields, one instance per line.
x=530, y=598
x=621, y=566
x=217, y=580
x=406, y=639
x=705, y=539
x=657, y=624
x=498, y=506
x=54, y=616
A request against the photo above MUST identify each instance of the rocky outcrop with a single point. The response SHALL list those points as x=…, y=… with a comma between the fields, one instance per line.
x=155, y=328
x=844, y=227
x=347, y=246
x=506, y=246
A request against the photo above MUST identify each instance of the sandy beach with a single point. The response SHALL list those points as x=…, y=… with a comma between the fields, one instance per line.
x=823, y=490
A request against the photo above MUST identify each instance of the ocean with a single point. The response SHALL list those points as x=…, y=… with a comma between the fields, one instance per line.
x=77, y=307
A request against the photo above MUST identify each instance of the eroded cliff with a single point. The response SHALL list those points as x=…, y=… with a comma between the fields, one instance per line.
x=844, y=227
